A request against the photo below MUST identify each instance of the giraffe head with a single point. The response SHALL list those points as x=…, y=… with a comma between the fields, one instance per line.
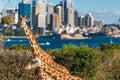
x=34, y=63
x=22, y=21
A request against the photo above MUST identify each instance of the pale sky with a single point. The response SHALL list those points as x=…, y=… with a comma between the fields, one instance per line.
x=107, y=10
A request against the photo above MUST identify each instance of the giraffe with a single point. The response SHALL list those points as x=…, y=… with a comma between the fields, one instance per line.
x=42, y=75
x=36, y=49
x=54, y=73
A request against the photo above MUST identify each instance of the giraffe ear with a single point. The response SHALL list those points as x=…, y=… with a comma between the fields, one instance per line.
x=21, y=17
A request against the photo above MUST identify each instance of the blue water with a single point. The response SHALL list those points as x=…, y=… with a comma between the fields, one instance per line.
x=48, y=43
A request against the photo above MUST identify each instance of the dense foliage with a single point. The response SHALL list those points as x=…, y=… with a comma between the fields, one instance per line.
x=17, y=47
x=12, y=65
x=78, y=60
x=98, y=63
x=9, y=19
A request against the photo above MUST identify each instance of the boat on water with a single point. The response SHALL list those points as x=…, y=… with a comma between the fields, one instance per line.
x=47, y=43
x=8, y=40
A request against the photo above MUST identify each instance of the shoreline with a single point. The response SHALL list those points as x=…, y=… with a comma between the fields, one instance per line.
x=15, y=37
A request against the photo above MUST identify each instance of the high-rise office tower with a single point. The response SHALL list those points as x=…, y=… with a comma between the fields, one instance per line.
x=98, y=23
x=70, y=16
x=54, y=19
x=81, y=21
x=39, y=15
x=66, y=4
x=50, y=8
x=101, y=23
x=89, y=20
x=76, y=18
x=50, y=11
x=59, y=12
x=62, y=4
x=69, y=4
x=41, y=23
x=35, y=12
x=38, y=7
x=25, y=9
x=42, y=4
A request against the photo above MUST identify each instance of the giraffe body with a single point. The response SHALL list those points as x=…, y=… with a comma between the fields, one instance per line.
x=54, y=73
x=42, y=75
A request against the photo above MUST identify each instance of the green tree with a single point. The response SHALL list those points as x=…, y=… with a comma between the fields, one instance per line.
x=104, y=46
x=78, y=60
x=19, y=32
x=9, y=19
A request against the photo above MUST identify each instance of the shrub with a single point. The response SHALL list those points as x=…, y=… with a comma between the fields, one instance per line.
x=12, y=65
x=78, y=60
x=18, y=47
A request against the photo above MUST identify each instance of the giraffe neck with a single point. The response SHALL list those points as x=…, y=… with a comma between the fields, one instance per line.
x=39, y=52
x=33, y=43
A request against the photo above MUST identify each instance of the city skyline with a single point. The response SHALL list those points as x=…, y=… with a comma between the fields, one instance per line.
x=107, y=10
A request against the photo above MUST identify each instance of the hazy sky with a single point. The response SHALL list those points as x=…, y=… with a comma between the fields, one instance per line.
x=107, y=10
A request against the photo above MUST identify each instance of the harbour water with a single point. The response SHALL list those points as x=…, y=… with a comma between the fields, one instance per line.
x=50, y=43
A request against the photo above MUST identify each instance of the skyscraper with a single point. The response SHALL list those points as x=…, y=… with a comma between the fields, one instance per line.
x=59, y=12
x=98, y=23
x=81, y=21
x=66, y=4
x=76, y=18
x=39, y=12
x=70, y=16
x=50, y=11
x=54, y=20
x=62, y=4
x=41, y=24
x=89, y=20
x=50, y=8
x=69, y=4
x=38, y=7
x=25, y=9
x=35, y=12
x=42, y=5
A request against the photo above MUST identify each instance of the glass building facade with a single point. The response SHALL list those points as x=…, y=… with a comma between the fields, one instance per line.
x=66, y=4
x=41, y=4
x=25, y=9
x=69, y=4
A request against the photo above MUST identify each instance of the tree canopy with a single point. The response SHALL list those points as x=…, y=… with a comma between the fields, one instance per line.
x=8, y=19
